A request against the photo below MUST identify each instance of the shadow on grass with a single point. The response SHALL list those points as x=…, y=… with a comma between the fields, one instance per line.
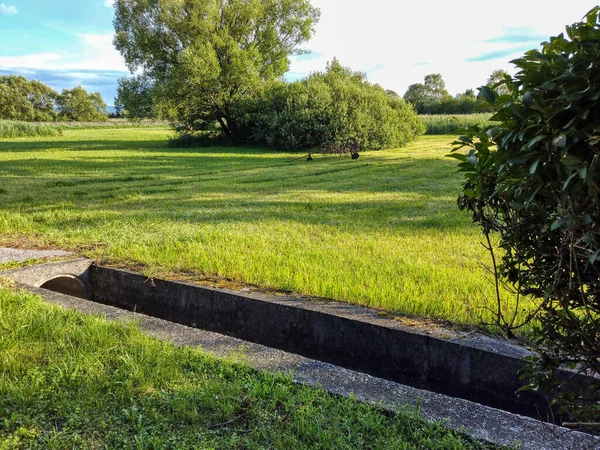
x=212, y=185
x=83, y=145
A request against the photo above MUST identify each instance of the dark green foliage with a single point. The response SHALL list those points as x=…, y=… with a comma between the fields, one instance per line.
x=79, y=106
x=21, y=99
x=535, y=179
x=331, y=106
x=33, y=101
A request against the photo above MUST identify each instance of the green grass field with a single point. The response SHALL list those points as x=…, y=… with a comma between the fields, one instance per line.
x=382, y=231
x=70, y=381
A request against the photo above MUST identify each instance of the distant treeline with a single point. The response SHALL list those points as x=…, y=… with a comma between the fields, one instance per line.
x=33, y=101
x=431, y=96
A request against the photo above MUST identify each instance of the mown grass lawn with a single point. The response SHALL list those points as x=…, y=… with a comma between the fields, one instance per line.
x=382, y=231
x=70, y=381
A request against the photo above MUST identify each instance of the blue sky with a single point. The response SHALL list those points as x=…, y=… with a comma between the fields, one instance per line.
x=63, y=43
x=66, y=43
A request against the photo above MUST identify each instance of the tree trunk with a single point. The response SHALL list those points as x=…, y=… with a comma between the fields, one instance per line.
x=224, y=127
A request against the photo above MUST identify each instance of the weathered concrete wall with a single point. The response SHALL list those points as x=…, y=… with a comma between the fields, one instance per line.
x=482, y=422
x=476, y=368
x=355, y=340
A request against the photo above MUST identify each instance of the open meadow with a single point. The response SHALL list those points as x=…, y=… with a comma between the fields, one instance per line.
x=382, y=231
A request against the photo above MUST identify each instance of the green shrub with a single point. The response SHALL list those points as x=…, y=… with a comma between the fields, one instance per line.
x=334, y=105
x=535, y=179
x=14, y=129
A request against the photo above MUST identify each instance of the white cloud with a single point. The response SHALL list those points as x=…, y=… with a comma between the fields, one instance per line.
x=8, y=10
x=100, y=53
x=398, y=44
x=97, y=53
x=109, y=3
x=33, y=61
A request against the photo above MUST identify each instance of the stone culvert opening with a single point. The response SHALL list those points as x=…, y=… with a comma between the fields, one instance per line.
x=67, y=284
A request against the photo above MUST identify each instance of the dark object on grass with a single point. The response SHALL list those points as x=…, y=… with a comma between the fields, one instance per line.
x=310, y=158
x=341, y=148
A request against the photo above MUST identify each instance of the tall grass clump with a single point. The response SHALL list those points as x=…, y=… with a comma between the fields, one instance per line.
x=110, y=124
x=15, y=129
x=448, y=124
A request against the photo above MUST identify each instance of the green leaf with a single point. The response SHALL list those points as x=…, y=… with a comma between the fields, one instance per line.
x=520, y=159
x=594, y=256
x=534, y=166
x=534, y=141
x=488, y=94
x=586, y=219
x=560, y=222
x=573, y=162
x=458, y=156
x=568, y=180
x=532, y=196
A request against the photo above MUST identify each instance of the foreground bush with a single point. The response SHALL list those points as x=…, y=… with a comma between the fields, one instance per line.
x=15, y=129
x=535, y=179
x=331, y=106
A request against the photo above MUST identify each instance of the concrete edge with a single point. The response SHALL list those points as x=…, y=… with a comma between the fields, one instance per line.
x=39, y=274
x=482, y=373
x=481, y=422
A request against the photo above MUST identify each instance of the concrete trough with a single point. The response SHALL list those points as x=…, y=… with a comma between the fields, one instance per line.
x=472, y=367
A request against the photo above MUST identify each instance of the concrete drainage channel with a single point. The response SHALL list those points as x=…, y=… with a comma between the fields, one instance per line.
x=319, y=340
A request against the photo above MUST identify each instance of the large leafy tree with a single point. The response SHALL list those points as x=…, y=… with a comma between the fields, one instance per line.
x=137, y=97
x=28, y=100
x=77, y=105
x=431, y=91
x=204, y=55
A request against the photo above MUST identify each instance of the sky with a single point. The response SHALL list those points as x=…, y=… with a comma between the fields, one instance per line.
x=66, y=43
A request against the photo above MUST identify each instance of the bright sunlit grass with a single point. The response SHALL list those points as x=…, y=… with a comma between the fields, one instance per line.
x=382, y=231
